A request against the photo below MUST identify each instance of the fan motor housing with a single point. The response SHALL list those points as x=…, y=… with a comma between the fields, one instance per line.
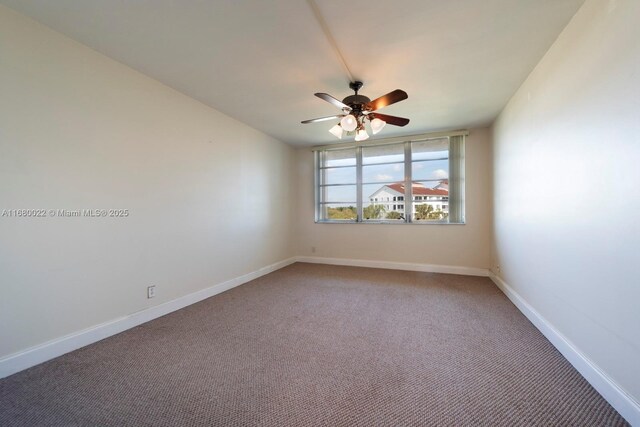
x=356, y=100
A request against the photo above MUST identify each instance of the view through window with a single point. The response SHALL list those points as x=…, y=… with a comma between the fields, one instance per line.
x=408, y=182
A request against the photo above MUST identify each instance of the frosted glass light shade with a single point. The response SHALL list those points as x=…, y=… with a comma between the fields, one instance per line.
x=349, y=123
x=362, y=135
x=336, y=131
x=377, y=125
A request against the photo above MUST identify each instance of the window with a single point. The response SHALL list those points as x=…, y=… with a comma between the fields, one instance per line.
x=364, y=183
x=337, y=185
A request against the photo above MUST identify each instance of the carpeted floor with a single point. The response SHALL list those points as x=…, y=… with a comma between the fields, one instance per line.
x=317, y=345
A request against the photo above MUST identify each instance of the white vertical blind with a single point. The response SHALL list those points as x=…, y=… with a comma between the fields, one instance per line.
x=456, y=179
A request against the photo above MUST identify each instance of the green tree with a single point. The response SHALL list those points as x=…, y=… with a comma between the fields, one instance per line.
x=342, y=212
x=423, y=211
x=394, y=215
x=438, y=215
x=373, y=211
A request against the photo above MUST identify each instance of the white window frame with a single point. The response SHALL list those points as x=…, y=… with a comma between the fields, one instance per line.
x=456, y=183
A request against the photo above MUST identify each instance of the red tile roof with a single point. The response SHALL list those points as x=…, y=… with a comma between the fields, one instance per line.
x=419, y=190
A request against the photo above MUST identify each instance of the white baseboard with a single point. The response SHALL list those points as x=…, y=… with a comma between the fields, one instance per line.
x=41, y=353
x=626, y=405
x=429, y=268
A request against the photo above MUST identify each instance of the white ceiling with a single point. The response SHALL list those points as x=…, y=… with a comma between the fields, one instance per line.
x=261, y=61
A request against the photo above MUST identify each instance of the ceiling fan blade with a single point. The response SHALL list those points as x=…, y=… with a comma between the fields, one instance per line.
x=322, y=119
x=330, y=99
x=388, y=99
x=392, y=120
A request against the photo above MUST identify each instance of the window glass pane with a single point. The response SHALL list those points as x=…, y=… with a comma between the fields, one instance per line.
x=339, y=193
x=379, y=200
x=346, y=157
x=383, y=173
x=339, y=175
x=373, y=211
x=430, y=201
x=382, y=193
x=383, y=154
x=339, y=211
x=430, y=149
x=430, y=170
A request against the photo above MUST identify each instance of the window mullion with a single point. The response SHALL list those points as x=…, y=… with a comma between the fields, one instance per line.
x=408, y=201
x=359, y=183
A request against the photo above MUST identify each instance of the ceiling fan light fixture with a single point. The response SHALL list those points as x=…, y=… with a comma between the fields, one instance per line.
x=336, y=131
x=362, y=135
x=349, y=123
x=357, y=109
x=377, y=125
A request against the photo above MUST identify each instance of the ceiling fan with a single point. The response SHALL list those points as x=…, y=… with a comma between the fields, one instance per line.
x=356, y=109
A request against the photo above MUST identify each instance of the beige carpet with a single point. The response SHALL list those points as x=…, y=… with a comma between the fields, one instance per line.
x=314, y=345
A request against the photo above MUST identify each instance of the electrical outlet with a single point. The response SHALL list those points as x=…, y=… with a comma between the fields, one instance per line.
x=151, y=291
x=313, y=249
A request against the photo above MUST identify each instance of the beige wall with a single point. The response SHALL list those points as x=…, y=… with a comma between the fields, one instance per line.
x=566, y=158
x=458, y=245
x=78, y=130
